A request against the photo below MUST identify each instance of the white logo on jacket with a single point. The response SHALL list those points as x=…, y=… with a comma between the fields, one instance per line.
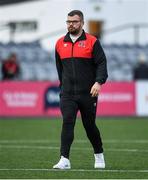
x=65, y=45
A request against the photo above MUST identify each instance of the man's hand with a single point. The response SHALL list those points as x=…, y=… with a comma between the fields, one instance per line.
x=95, y=89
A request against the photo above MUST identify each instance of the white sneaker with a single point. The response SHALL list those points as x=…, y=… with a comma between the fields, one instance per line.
x=64, y=163
x=99, y=161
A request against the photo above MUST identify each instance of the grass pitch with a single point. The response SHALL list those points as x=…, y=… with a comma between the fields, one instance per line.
x=29, y=148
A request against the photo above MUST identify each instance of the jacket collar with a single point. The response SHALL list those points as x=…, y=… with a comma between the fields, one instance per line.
x=68, y=39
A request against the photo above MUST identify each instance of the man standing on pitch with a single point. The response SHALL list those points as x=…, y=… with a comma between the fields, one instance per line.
x=82, y=69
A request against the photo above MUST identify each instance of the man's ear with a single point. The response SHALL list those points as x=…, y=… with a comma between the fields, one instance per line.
x=82, y=23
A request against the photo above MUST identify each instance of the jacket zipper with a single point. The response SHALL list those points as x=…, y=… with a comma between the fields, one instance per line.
x=73, y=68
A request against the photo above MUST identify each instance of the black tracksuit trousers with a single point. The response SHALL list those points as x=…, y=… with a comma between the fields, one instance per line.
x=70, y=104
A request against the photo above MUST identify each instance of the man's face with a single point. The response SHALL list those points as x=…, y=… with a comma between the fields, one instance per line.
x=74, y=24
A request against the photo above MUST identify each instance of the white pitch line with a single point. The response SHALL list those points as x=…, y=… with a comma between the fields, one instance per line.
x=26, y=147
x=75, y=141
x=81, y=170
x=74, y=148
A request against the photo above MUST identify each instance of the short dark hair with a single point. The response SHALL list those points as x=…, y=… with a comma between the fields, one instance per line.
x=76, y=12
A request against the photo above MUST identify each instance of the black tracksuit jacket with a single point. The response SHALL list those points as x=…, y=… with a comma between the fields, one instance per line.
x=80, y=64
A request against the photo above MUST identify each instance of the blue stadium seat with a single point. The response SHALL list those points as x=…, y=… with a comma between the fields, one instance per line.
x=38, y=64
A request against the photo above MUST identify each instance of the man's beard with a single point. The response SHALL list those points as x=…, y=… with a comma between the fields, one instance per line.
x=73, y=31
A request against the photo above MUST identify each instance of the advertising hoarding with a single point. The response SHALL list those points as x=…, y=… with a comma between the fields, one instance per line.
x=142, y=98
x=117, y=98
x=29, y=99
